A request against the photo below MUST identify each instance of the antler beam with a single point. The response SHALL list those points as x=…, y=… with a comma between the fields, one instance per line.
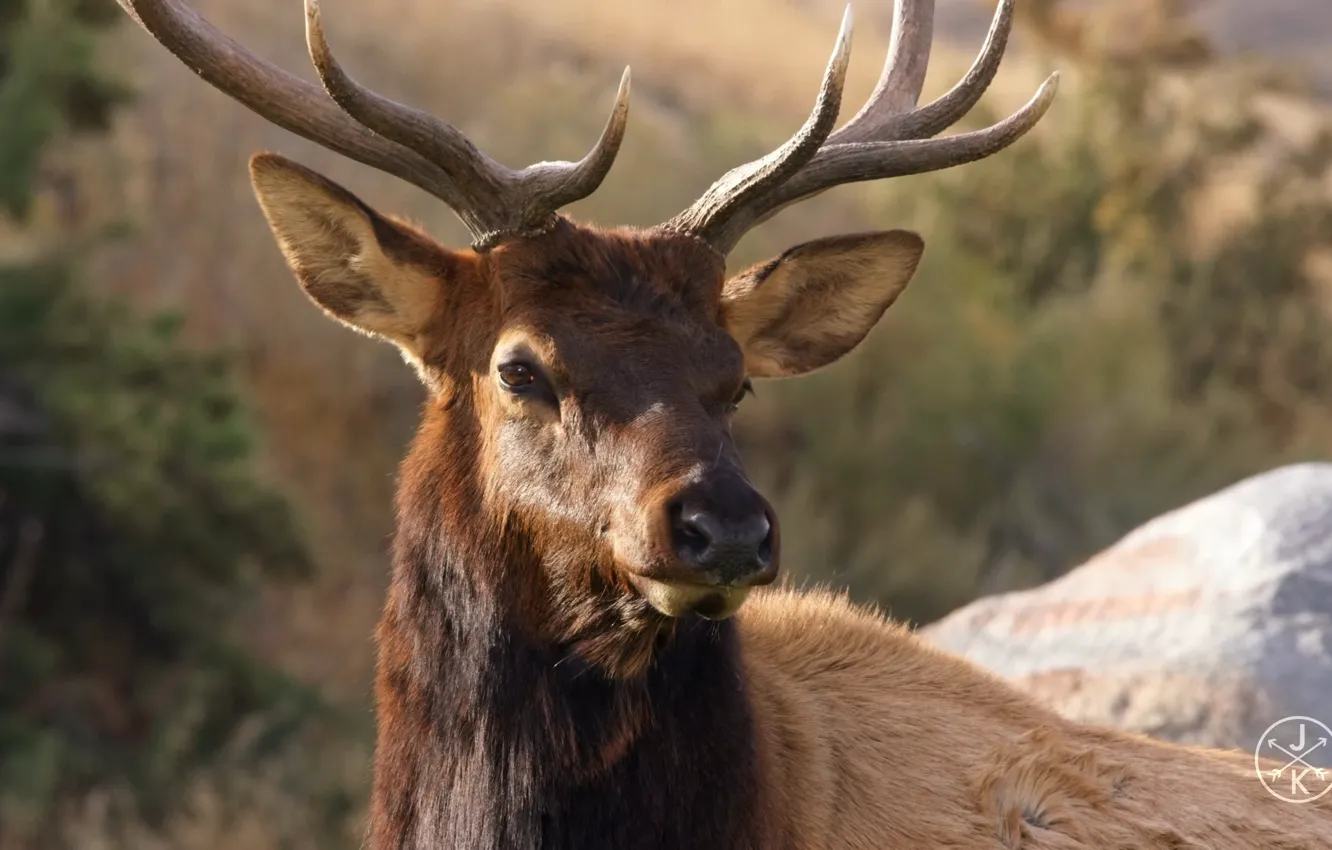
x=494, y=202
x=888, y=137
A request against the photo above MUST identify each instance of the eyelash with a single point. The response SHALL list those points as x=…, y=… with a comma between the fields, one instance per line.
x=746, y=388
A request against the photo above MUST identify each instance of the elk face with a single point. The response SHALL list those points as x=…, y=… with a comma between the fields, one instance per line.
x=607, y=402
x=603, y=370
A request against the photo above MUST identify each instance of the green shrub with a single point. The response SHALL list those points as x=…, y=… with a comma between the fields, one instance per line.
x=134, y=524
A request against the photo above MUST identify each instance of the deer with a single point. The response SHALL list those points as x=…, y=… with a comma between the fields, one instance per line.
x=583, y=642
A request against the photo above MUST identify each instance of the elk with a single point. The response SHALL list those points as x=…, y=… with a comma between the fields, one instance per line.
x=583, y=644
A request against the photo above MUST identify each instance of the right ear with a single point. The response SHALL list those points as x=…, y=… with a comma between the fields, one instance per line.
x=367, y=271
x=810, y=306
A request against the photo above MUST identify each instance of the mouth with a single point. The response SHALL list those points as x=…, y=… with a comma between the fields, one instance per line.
x=679, y=599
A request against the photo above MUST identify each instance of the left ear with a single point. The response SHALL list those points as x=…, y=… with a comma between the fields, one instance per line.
x=818, y=300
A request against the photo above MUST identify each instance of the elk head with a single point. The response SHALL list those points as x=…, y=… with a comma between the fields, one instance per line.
x=587, y=377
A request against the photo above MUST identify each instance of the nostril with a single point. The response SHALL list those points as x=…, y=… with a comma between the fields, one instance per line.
x=765, y=545
x=689, y=534
x=719, y=532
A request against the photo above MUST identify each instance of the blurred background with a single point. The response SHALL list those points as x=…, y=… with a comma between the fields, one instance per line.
x=1128, y=309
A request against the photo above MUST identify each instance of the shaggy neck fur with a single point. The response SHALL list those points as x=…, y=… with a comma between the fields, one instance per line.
x=491, y=737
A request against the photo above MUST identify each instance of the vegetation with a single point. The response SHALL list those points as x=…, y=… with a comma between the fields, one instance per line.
x=134, y=526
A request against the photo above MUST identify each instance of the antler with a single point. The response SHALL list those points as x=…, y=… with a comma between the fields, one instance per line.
x=494, y=202
x=889, y=137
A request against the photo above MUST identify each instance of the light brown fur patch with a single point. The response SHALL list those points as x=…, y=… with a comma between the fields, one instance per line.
x=874, y=739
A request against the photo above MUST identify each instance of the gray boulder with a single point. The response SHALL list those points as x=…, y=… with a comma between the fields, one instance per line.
x=1204, y=626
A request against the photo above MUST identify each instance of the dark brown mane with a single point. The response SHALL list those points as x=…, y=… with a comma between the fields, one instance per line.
x=526, y=744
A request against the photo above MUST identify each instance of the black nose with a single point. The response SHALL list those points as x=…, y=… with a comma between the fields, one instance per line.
x=722, y=529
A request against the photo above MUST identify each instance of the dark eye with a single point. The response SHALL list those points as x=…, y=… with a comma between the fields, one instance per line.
x=516, y=376
x=745, y=389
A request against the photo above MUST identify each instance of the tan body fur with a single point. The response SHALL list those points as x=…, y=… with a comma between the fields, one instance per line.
x=871, y=738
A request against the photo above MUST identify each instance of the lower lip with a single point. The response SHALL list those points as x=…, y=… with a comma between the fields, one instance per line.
x=679, y=600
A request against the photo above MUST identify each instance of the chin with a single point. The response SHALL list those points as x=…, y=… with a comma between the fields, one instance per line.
x=677, y=599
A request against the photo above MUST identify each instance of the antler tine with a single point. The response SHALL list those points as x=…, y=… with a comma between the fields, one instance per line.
x=856, y=163
x=877, y=122
x=741, y=185
x=492, y=200
x=887, y=138
x=495, y=201
x=575, y=181
x=903, y=76
x=470, y=172
x=274, y=94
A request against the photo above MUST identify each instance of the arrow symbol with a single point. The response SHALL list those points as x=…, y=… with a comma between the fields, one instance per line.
x=1294, y=758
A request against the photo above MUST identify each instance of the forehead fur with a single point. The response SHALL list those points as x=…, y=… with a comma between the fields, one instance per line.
x=623, y=319
x=650, y=272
